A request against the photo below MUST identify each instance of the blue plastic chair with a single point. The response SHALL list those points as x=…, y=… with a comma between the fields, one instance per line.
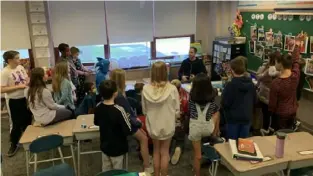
x=209, y=153
x=112, y=173
x=47, y=143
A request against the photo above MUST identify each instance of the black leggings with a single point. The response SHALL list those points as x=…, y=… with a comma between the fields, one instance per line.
x=21, y=118
x=266, y=116
x=61, y=115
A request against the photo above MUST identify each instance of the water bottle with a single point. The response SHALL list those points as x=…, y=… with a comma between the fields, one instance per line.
x=83, y=125
x=280, y=144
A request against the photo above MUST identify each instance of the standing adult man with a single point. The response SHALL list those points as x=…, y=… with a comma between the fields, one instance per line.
x=191, y=66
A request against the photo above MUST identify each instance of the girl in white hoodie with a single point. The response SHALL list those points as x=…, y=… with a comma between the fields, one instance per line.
x=160, y=104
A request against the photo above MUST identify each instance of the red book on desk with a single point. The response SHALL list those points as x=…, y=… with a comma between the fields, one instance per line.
x=246, y=146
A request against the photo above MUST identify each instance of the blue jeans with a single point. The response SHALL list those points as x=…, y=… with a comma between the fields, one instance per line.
x=235, y=131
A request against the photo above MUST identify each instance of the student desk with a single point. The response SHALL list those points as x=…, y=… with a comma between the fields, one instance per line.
x=246, y=168
x=215, y=84
x=84, y=134
x=31, y=133
x=295, y=143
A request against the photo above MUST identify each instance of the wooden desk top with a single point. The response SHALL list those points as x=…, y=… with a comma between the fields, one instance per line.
x=296, y=142
x=64, y=129
x=88, y=122
x=267, y=148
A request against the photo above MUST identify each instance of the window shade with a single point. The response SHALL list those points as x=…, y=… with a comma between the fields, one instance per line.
x=77, y=23
x=14, y=26
x=174, y=18
x=129, y=21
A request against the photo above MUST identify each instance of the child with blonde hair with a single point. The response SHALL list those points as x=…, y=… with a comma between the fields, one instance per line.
x=62, y=86
x=160, y=104
x=40, y=101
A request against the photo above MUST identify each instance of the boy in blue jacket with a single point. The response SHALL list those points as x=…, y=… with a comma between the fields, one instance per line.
x=238, y=100
x=102, y=69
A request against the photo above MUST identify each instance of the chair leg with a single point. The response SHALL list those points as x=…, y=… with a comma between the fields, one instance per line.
x=27, y=161
x=78, y=158
x=35, y=162
x=126, y=161
x=213, y=168
x=216, y=167
x=288, y=172
x=52, y=156
x=61, y=154
x=73, y=156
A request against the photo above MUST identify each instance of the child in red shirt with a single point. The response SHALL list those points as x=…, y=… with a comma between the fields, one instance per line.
x=283, y=100
x=177, y=144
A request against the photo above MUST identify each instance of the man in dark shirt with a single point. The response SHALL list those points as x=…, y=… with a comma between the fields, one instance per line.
x=191, y=66
x=114, y=126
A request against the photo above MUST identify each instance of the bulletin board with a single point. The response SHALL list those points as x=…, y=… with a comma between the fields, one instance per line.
x=286, y=27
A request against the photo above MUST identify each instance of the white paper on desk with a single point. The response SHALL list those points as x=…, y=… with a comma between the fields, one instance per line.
x=42, y=52
x=39, y=29
x=307, y=152
x=37, y=18
x=131, y=82
x=93, y=127
x=41, y=41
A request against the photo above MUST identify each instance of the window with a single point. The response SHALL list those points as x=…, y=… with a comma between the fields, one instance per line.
x=89, y=54
x=129, y=55
x=177, y=47
x=23, y=55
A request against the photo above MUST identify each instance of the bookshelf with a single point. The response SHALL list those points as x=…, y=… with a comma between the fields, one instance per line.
x=223, y=51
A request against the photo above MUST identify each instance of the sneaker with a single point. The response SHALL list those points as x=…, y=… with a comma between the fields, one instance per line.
x=176, y=156
x=149, y=170
x=296, y=126
x=12, y=151
x=264, y=132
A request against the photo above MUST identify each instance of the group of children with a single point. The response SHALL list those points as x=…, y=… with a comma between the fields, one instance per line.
x=29, y=96
x=280, y=83
x=163, y=104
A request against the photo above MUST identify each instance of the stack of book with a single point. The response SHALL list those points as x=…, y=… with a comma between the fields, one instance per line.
x=245, y=149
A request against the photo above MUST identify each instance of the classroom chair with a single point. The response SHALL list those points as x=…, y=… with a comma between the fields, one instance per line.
x=112, y=173
x=48, y=143
x=209, y=153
